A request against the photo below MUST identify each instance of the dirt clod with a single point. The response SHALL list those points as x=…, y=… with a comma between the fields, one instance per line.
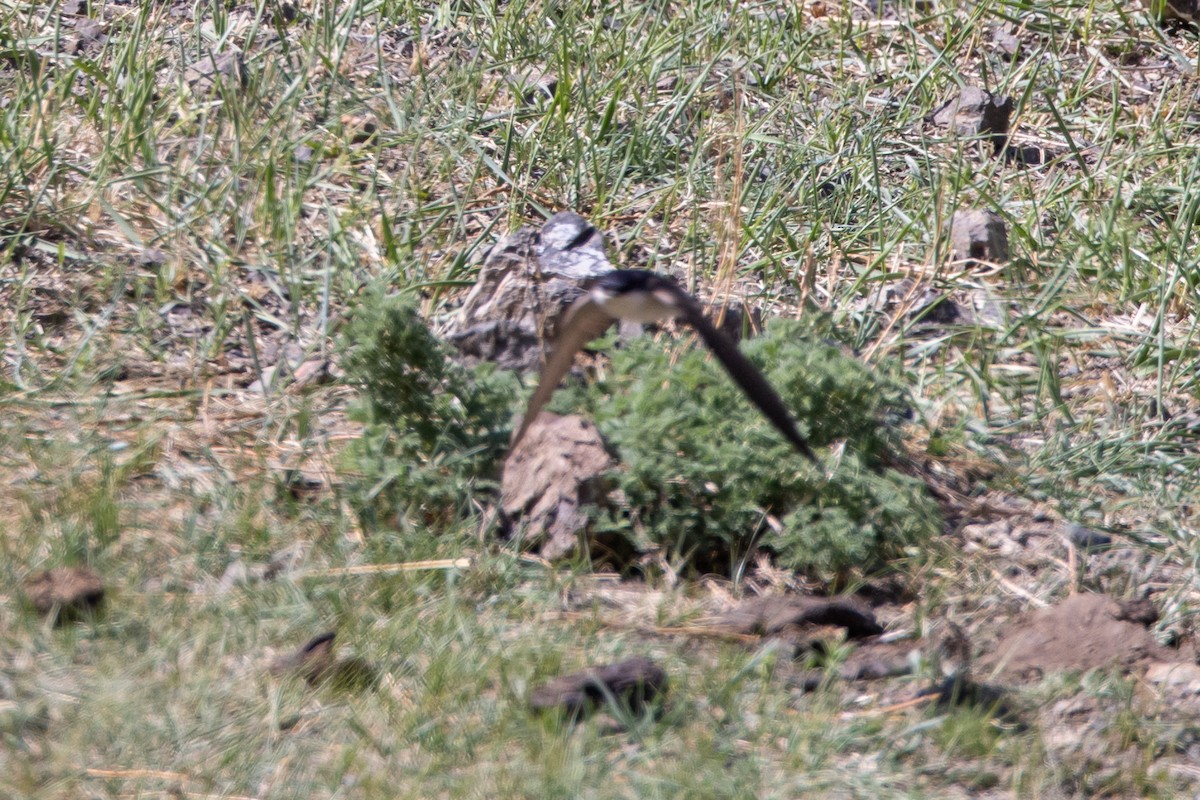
x=633, y=683
x=548, y=480
x=64, y=593
x=1083, y=632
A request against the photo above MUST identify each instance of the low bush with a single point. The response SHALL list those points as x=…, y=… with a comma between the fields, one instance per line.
x=702, y=472
x=434, y=430
x=707, y=475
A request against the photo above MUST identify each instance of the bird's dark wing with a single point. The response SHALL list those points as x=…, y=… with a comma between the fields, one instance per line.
x=747, y=376
x=583, y=321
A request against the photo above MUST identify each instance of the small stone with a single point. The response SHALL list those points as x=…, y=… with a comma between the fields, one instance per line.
x=89, y=34
x=1007, y=44
x=976, y=112
x=74, y=8
x=1180, y=676
x=1086, y=538
x=65, y=593
x=978, y=235
x=228, y=68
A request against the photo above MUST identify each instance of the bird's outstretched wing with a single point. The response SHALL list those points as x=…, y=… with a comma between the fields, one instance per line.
x=747, y=376
x=584, y=320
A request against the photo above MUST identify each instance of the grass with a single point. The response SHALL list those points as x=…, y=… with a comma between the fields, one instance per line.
x=165, y=243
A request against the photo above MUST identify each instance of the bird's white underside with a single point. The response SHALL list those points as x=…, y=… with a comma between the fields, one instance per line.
x=634, y=306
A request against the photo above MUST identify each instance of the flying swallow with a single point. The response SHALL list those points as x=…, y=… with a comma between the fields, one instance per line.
x=641, y=296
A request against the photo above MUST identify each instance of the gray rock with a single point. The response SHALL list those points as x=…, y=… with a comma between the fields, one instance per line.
x=978, y=235
x=228, y=69
x=975, y=112
x=89, y=35
x=1086, y=538
x=1007, y=44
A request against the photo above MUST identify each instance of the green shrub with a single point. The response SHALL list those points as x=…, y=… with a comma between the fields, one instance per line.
x=435, y=431
x=702, y=469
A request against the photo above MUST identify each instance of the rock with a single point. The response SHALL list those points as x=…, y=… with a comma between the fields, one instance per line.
x=633, y=683
x=89, y=34
x=1086, y=538
x=976, y=113
x=978, y=235
x=1181, y=677
x=228, y=69
x=1007, y=44
x=74, y=8
x=526, y=283
x=65, y=593
x=556, y=470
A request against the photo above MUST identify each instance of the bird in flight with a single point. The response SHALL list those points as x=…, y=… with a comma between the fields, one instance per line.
x=641, y=296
